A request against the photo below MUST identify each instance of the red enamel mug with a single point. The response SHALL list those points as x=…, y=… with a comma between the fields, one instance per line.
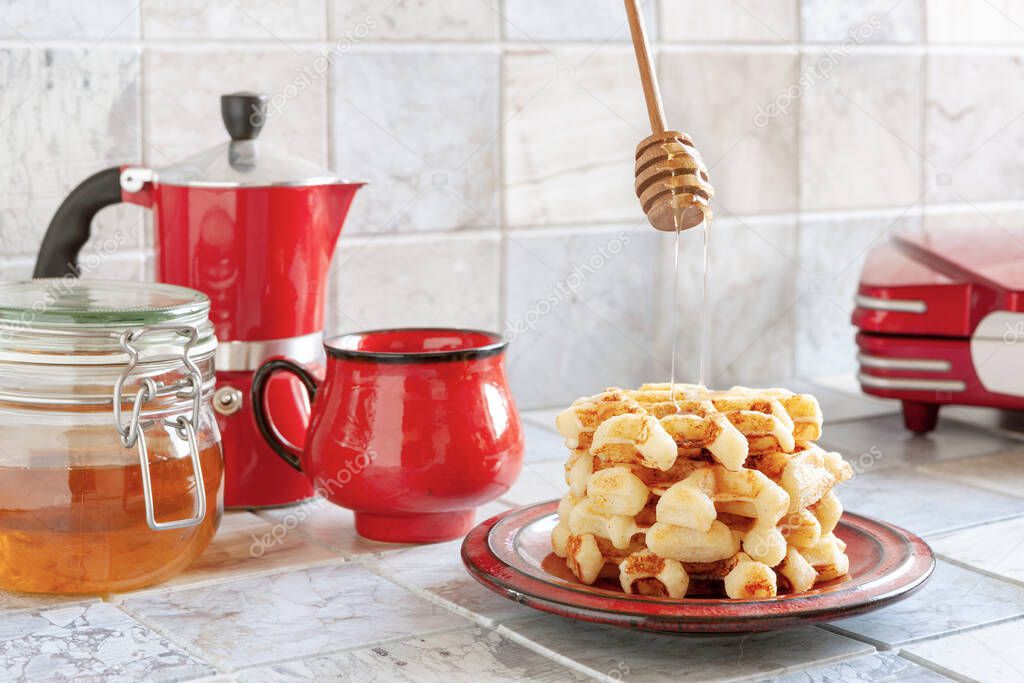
x=412, y=429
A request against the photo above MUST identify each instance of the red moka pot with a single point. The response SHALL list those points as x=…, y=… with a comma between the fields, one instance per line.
x=254, y=230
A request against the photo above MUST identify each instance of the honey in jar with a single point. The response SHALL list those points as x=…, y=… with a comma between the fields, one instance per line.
x=84, y=530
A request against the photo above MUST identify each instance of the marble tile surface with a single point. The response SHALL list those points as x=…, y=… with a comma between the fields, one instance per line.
x=292, y=615
x=640, y=656
x=997, y=548
x=876, y=101
x=884, y=666
x=381, y=282
x=246, y=544
x=973, y=147
x=235, y=20
x=751, y=295
x=94, y=642
x=996, y=22
x=539, y=21
x=438, y=569
x=832, y=253
x=116, y=19
x=988, y=654
x=922, y=503
x=1002, y=472
x=329, y=525
x=464, y=655
x=65, y=114
x=539, y=482
x=412, y=20
x=541, y=443
x=422, y=126
x=749, y=21
x=889, y=443
x=181, y=100
x=334, y=528
x=556, y=174
x=578, y=309
x=752, y=160
x=1006, y=423
x=953, y=599
x=867, y=22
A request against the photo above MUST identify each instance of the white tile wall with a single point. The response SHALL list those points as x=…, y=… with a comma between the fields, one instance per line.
x=832, y=252
x=740, y=21
x=873, y=21
x=752, y=297
x=975, y=146
x=65, y=114
x=499, y=137
x=422, y=127
x=542, y=21
x=393, y=20
x=751, y=160
x=572, y=120
x=235, y=20
x=994, y=22
x=111, y=19
x=380, y=282
x=181, y=99
x=580, y=311
x=861, y=141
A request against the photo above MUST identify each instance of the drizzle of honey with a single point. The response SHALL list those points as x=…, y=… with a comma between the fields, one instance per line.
x=703, y=346
x=84, y=530
x=671, y=151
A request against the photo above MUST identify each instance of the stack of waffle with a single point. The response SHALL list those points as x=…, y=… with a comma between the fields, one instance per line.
x=697, y=492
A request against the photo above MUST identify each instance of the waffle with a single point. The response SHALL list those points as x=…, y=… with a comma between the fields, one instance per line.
x=648, y=427
x=674, y=493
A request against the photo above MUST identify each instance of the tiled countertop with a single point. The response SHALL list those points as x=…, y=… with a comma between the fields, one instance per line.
x=295, y=594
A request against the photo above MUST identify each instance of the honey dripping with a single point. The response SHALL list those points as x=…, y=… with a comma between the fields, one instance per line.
x=703, y=321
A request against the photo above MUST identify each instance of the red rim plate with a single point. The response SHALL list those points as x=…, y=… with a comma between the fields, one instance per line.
x=511, y=555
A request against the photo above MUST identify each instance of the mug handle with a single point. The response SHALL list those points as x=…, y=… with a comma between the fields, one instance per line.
x=288, y=453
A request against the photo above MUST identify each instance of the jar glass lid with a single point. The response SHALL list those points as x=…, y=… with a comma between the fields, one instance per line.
x=100, y=303
x=66, y=321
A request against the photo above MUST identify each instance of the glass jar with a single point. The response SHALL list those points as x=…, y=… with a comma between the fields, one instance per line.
x=111, y=473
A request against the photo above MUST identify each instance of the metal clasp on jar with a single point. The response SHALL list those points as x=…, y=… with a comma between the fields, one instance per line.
x=184, y=426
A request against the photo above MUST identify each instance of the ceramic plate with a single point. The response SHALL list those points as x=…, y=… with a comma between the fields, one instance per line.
x=511, y=555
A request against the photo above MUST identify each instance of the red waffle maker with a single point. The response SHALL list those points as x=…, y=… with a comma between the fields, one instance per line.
x=941, y=320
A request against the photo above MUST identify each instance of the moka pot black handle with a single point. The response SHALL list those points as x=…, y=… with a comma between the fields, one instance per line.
x=71, y=226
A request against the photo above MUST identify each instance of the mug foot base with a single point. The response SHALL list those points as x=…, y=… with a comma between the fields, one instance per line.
x=429, y=527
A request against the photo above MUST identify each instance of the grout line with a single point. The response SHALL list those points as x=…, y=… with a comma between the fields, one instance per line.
x=364, y=646
x=933, y=666
x=499, y=174
x=979, y=570
x=241, y=575
x=801, y=667
x=186, y=44
x=896, y=648
x=433, y=598
x=195, y=651
x=554, y=656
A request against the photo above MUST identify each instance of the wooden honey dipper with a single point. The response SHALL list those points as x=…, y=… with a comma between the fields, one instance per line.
x=671, y=178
